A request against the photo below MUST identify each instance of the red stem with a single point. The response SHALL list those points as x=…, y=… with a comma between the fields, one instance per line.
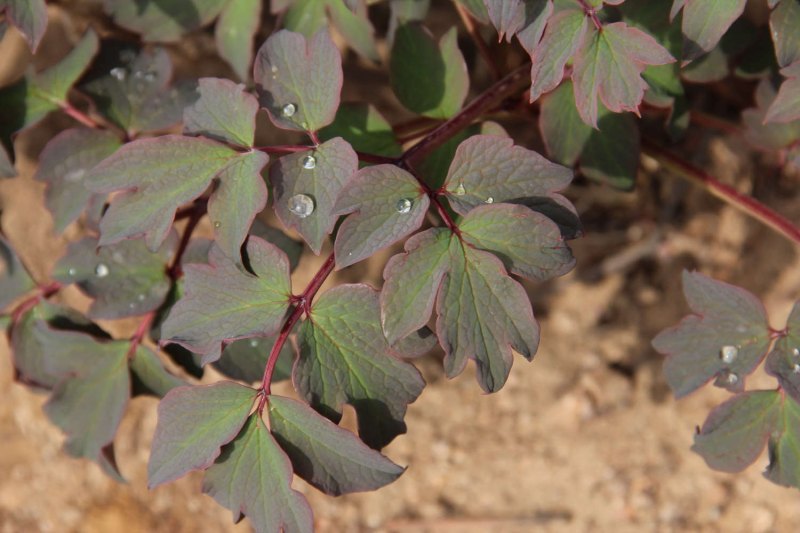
x=139, y=334
x=302, y=304
x=728, y=194
x=591, y=13
x=43, y=291
x=81, y=117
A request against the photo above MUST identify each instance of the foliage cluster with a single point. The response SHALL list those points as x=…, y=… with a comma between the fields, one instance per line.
x=477, y=213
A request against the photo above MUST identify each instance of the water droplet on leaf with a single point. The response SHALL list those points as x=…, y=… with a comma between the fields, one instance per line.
x=119, y=73
x=490, y=200
x=217, y=224
x=274, y=69
x=404, y=205
x=460, y=190
x=309, y=162
x=796, y=368
x=254, y=343
x=796, y=352
x=301, y=205
x=101, y=270
x=74, y=175
x=72, y=272
x=140, y=297
x=289, y=110
x=728, y=354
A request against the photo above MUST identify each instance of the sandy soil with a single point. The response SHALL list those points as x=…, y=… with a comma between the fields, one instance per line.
x=585, y=438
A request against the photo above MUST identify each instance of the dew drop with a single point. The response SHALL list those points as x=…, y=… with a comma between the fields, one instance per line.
x=309, y=162
x=404, y=205
x=796, y=368
x=75, y=175
x=140, y=297
x=796, y=352
x=131, y=305
x=217, y=224
x=274, y=69
x=489, y=200
x=101, y=270
x=289, y=110
x=732, y=378
x=119, y=73
x=301, y=205
x=728, y=354
x=72, y=272
x=460, y=190
x=254, y=343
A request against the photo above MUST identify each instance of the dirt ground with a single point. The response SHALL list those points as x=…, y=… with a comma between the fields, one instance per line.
x=585, y=438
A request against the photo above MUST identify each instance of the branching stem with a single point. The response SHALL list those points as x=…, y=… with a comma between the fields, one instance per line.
x=591, y=12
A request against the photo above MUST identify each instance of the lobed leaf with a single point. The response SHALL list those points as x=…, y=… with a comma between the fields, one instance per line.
x=298, y=81
x=37, y=344
x=784, y=446
x=768, y=136
x=726, y=336
x=124, y=279
x=224, y=112
x=362, y=125
x=246, y=360
x=482, y=313
x=735, y=432
x=489, y=169
x=234, y=34
x=609, y=64
x=306, y=185
x=131, y=88
x=704, y=23
x=161, y=174
x=328, y=457
x=428, y=78
x=528, y=243
x=387, y=205
x=565, y=33
x=193, y=423
x=63, y=165
x=14, y=279
x=223, y=302
x=163, y=20
x=88, y=405
x=253, y=477
x=345, y=358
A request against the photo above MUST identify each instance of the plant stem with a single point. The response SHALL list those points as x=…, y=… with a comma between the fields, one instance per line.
x=81, y=117
x=302, y=305
x=43, y=291
x=139, y=334
x=483, y=49
x=483, y=103
x=747, y=204
x=591, y=13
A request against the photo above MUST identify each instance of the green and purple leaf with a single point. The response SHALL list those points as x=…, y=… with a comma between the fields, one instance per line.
x=328, y=457
x=387, y=204
x=784, y=446
x=89, y=404
x=246, y=359
x=163, y=20
x=224, y=112
x=234, y=33
x=529, y=244
x=524, y=18
x=768, y=136
x=14, y=279
x=428, y=78
x=223, y=302
x=132, y=89
x=609, y=64
x=726, y=336
x=193, y=423
x=64, y=163
x=306, y=186
x=783, y=23
x=565, y=33
x=345, y=359
x=124, y=279
x=160, y=174
x=299, y=82
x=734, y=434
x=253, y=477
x=490, y=169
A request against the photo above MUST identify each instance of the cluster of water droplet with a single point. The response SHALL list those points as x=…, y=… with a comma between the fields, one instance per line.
x=728, y=355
